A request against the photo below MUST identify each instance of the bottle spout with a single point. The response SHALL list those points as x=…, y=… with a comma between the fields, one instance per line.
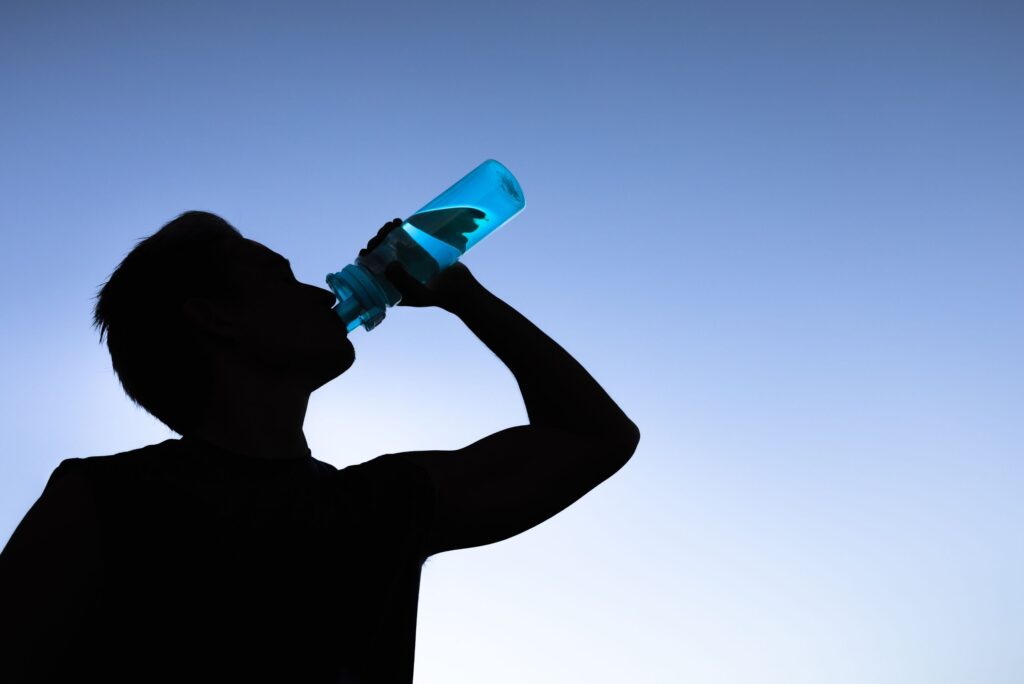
x=348, y=311
x=360, y=300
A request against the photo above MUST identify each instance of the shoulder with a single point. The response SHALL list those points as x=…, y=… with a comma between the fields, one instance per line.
x=67, y=500
x=59, y=530
x=75, y=484
x=51, y=568
x=139, y=460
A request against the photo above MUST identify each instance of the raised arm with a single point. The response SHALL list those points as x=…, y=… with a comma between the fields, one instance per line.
x=557, y=391
x=516, y=478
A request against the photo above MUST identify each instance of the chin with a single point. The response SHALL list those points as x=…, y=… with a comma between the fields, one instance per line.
x=339, y=363
x=325, y=362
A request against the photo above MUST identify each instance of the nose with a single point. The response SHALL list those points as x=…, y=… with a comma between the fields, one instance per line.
x=325, y=297
x=328, y=297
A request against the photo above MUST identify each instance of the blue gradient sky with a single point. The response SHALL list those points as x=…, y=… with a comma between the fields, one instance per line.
x=785, y=237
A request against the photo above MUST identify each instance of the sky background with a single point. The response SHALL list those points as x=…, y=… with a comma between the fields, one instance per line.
x=787, y=238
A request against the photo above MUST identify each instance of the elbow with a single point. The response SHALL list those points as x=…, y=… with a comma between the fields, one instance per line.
x=622, y=448
x=626, y=441
x=634, y=439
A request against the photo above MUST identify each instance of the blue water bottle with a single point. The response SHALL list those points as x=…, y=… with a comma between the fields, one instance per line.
x=428, y=242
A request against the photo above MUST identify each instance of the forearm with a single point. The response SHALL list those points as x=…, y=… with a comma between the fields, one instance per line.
x=556, y=389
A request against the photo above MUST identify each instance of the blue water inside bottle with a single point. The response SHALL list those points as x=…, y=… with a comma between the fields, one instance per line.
x=467, y=212
x=440, y=251
x=429, y=241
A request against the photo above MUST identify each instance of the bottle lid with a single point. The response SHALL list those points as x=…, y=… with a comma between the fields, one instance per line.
x=371, y=297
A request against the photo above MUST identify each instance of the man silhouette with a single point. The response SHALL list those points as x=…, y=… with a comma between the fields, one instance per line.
x=231, y=554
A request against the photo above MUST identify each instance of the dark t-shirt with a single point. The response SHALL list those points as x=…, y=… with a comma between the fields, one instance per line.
x=225, y=567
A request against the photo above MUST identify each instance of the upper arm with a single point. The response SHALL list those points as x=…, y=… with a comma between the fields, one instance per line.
x=511, y=481
x=48, y=568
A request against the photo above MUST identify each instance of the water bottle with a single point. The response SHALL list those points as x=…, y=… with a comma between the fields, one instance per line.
x=428, y=242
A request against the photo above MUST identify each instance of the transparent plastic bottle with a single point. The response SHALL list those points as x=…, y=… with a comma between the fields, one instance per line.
x=428, y=242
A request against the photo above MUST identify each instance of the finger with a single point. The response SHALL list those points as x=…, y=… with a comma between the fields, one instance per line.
x=397, y=271
x=379, y=237
x=401, y=278
x=398, y=280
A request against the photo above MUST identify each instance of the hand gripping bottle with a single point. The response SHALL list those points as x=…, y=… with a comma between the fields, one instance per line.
x=428, y=242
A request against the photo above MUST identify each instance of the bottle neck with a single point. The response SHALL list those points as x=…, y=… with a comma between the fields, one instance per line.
x=361, y=299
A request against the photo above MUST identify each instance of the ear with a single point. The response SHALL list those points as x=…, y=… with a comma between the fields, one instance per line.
x=204, y=315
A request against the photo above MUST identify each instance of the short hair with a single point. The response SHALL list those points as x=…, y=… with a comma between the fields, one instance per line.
x=159, y=362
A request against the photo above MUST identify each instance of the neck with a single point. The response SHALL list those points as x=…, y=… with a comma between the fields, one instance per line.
x=255, y=415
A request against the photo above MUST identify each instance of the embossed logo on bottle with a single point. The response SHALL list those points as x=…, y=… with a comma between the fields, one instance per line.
x=510, y=187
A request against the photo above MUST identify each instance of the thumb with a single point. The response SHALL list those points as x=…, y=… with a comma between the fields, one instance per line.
x=396, y=272
x=414, y=293
x=401, y=279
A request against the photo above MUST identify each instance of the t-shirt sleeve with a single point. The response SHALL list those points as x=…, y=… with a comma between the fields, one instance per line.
x=49, y=574
x=394, y=497
x=65, y=510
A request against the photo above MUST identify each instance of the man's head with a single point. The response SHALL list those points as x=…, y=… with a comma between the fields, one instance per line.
x=196, y=298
